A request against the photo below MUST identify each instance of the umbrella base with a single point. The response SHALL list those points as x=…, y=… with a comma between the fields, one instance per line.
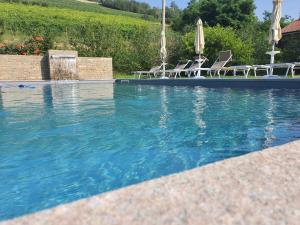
x=164, y=78
x=199, y=77
x=271, y=76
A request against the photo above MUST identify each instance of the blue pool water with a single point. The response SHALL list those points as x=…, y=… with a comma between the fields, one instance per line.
x=63, y=142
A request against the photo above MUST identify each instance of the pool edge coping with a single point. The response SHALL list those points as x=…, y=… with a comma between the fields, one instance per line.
x=43, y=82
x=280, y=83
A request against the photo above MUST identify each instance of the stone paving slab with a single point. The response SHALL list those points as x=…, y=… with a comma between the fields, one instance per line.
x=261, y=188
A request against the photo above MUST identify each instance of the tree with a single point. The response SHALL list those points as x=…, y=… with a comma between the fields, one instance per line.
x=173, y=14
x=257, y=33
x=227, y=13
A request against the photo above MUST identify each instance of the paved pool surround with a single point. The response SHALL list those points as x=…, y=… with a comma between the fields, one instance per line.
x=259, y=188
x=287, y=83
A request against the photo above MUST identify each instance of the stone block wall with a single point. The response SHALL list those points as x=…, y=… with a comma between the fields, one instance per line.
x=95, y=68
x=16, y=67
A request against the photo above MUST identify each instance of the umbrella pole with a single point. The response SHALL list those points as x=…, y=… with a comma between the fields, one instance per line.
x=164, y=33
x=199, y=71
x=273, y=51
x=272, y=57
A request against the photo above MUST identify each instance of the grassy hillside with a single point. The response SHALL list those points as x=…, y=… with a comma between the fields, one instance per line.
x=77, y=5
x=61, y=17
x=132, y=42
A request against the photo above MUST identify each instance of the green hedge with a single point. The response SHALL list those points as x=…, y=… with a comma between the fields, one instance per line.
x=218, y=39
x=133, y=43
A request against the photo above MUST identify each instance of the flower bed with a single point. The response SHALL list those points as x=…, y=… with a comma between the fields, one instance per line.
x=37, y=45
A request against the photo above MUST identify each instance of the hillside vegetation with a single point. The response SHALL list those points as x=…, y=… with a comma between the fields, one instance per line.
x=133, y=43
x=76, y=5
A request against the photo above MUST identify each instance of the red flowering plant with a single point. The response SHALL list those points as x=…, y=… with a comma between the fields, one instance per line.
x=37, y=52
x=21, y=49
x=38, y=38
x=37, y=45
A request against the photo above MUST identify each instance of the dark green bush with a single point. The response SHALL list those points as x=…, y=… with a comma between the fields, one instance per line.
x=290, y=48
x=218, y=39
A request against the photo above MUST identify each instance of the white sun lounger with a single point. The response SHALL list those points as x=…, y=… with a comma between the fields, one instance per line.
x=189, y=71
x=296, y=67
x=242, y=68
x=219, y=64
x=154, y=70
x=178, y=69
x=287, y=66
x=256, y=68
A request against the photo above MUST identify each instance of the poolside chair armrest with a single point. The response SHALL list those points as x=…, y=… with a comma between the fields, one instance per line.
x=227, y=68
x=204, y=69
x=137, y=72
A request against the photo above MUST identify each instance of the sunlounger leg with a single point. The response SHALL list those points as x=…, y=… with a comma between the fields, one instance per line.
x=287, y=71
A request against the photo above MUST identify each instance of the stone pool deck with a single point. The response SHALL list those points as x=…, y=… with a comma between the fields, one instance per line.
x=259, y=188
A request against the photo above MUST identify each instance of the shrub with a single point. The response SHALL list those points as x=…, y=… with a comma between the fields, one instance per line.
x=290, y=48
x=218, y=39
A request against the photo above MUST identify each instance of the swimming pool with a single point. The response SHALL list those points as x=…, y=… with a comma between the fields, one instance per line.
x=64, y=142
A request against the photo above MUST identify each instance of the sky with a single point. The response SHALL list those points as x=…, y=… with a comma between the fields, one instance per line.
x=290, y=7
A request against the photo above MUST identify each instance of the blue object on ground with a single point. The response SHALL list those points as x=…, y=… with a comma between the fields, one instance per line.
x=25, y=86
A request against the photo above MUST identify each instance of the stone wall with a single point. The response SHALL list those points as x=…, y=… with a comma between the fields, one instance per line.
x=16, y=67
x=95, y=68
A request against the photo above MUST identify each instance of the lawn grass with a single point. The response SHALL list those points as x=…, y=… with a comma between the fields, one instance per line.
x=124, y=76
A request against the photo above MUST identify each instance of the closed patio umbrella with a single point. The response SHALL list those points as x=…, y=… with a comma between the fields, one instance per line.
x=199, y=42
x=163, y=42
x=275, y=29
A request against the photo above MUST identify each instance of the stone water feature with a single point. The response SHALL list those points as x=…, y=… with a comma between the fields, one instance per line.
x=63, y=65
